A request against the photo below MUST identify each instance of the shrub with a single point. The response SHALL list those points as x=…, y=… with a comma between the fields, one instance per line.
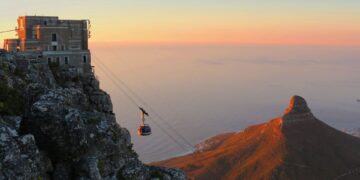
x=19, y=73
x=93, y=120
x=119, y=175
x=156, y=175
x=11, y=102
x=101, y=167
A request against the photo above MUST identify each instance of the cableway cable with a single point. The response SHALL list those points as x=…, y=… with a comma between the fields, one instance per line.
x=145, y=103
x=113, y=78
x=137, y=105
x=8, y=31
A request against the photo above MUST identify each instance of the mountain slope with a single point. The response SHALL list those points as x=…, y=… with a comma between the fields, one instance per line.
x=58, y=124
x=294, y=146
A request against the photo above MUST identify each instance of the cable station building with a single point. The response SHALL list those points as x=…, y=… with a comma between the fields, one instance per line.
x=56, y=41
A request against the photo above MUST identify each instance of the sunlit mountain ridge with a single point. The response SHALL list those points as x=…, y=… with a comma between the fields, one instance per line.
x=294, y=146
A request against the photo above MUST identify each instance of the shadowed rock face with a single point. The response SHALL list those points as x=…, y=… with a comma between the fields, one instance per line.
x=297, y=110
x=67, y=129
x=297, y=105
x=294, y=146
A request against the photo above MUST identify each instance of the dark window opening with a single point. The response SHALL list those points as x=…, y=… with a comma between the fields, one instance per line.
x=57, y=60
x=54, y=38
x=49, y=60
x=54, y=48
x=45, y=23
x=66, y=60
x=84, y=59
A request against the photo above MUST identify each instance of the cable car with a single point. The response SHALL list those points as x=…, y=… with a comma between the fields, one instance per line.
x=144, y=129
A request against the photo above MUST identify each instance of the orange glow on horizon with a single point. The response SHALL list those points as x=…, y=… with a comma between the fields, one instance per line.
x=236, y=34
x=205, y=22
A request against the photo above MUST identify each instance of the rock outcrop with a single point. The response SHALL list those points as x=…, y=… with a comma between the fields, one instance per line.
x=297, y=110
x=55, y=124
x=20, y=157
x=294, y=146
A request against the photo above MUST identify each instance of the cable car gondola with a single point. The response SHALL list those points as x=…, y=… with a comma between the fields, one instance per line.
x=144, y=129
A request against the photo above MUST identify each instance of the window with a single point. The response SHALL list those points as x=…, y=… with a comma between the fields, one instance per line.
x=58, y=60
x=54, y=38
x=66, y=60
x=45, y=23
x=84, y=59
x=62, y=47
x=54, y=48
x=74, y=47
x=49, y=60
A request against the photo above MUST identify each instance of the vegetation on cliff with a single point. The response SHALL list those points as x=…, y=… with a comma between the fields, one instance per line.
x=11, y=101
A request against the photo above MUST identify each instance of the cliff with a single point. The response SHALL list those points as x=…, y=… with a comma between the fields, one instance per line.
x=55, y=124
x=294, y=146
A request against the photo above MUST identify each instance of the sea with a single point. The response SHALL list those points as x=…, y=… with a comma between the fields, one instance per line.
x=193, y=92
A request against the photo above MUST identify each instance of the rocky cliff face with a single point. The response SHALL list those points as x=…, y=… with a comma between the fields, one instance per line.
x=294, y=146
x=55, y=124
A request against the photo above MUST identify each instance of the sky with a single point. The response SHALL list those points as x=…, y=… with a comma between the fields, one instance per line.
x=325, y=22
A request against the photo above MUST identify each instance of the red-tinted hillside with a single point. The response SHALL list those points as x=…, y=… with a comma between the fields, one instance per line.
x=294, y=146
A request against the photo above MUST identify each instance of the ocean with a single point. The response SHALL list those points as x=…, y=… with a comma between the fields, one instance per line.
x=202, y=90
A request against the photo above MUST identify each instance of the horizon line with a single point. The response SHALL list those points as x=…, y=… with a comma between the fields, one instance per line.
x=223, y=43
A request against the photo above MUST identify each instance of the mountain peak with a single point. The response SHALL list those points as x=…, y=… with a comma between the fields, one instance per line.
x=297, y=105
x=297, y=109
x=295, y=146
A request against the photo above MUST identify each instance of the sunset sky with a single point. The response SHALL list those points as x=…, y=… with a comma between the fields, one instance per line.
x=327, y=22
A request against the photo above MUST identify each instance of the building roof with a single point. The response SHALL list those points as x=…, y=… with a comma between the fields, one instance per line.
x=49, y=18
